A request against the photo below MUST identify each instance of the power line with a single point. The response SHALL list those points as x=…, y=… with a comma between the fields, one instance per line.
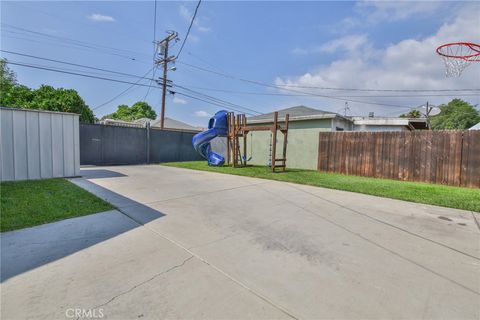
x=223, y=102
x=123, y=92
x=123, y=53
x=214, y=103
x=345, y=96
x=297, y=91
x=154, y=48
x=76, y=74
x=323, y=88
x=213, y=100
x=75, y=64
x=375, y=90
x=70, y=40
x=189, y=28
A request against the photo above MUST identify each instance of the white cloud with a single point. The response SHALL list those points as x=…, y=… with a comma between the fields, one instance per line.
x=184, y=12
x=193, y=38
x=356, y=44
x=178, y=100
x=349, y=43
x=203, y=29
x=100, y=18
x=393, y=10
x=370, y=13
x=198, y=23
x=201, y=114
x=300, y=51
x=407, y=64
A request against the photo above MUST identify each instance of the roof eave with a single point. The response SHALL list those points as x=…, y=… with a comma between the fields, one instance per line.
x=297, y=118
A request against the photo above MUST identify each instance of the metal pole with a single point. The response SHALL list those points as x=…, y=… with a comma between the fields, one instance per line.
x=428, y=116
x=147, y=131
x=274, y=139
x=164, y=85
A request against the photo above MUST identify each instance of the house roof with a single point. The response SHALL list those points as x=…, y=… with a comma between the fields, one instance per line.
x=168, y=124
x=295, y=113
x=475, y=127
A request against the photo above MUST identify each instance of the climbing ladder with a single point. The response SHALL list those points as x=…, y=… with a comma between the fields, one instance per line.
x=238, y=128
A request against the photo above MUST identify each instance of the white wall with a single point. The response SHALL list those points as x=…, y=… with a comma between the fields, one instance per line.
x=38, y=144
x=365, y=127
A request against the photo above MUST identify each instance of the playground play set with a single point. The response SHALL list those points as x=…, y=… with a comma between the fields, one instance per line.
x=456, y=55
x=235, y=129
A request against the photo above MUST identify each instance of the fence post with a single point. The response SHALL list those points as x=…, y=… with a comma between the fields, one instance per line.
x=147, y=135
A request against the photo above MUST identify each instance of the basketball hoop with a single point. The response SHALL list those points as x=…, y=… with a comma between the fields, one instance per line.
x=457, y=56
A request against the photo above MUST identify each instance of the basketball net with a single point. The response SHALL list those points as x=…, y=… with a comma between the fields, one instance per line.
x=458, y=56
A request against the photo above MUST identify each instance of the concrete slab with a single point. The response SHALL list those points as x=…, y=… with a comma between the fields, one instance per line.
x=217, y=246
x=133, y=274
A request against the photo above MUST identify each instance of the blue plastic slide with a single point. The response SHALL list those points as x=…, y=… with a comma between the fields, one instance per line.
x=217, y=126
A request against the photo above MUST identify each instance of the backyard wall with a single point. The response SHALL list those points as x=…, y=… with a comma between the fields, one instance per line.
x=302, y=149
x=38, y=144
x=116, y=145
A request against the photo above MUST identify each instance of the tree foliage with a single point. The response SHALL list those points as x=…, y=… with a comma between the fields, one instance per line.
x=8, y=77
x=15, y=95
x=457, y=114
x=411, y=114
x=137, y=111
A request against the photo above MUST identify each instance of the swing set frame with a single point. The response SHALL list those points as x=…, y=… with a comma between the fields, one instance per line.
x=239, y=129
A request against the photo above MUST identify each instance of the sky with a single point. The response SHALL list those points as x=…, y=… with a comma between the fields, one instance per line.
x=258, y=56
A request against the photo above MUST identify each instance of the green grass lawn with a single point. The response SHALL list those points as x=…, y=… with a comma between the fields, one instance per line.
x=445, y=196
x=29, y=203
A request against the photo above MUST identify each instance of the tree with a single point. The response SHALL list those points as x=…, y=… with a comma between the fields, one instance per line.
x=457, y=114
x=15, y=95
x=63, y=100
x=137, y=111
x=7, y=76
x=411, y=114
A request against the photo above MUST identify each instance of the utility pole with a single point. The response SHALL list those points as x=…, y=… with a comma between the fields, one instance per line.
x=427, y=114
x=165, y=59
x=346, y=109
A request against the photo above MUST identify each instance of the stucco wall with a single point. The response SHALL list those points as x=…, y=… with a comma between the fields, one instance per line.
x=302, y=150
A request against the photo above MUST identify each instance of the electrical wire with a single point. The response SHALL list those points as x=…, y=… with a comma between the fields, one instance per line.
x=346, y=96
x=77, y=74
x=73, y=64
x=154, y=48
x=217, y=99
x=211, y=99
x=72, y=43
x=86, y=44
x=214, y=103
x=123, y=92
x=323, y=88
x=298, y=91
x=189, y=28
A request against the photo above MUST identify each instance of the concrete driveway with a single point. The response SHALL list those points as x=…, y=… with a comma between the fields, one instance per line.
x=191, y=244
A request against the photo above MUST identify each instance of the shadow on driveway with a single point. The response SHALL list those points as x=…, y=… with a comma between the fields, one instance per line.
x=26, y=249
x=100, y=173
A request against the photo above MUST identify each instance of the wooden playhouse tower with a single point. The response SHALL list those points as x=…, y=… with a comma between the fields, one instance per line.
x=238, y=129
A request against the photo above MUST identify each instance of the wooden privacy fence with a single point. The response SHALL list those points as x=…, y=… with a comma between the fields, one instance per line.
x=444, y=157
